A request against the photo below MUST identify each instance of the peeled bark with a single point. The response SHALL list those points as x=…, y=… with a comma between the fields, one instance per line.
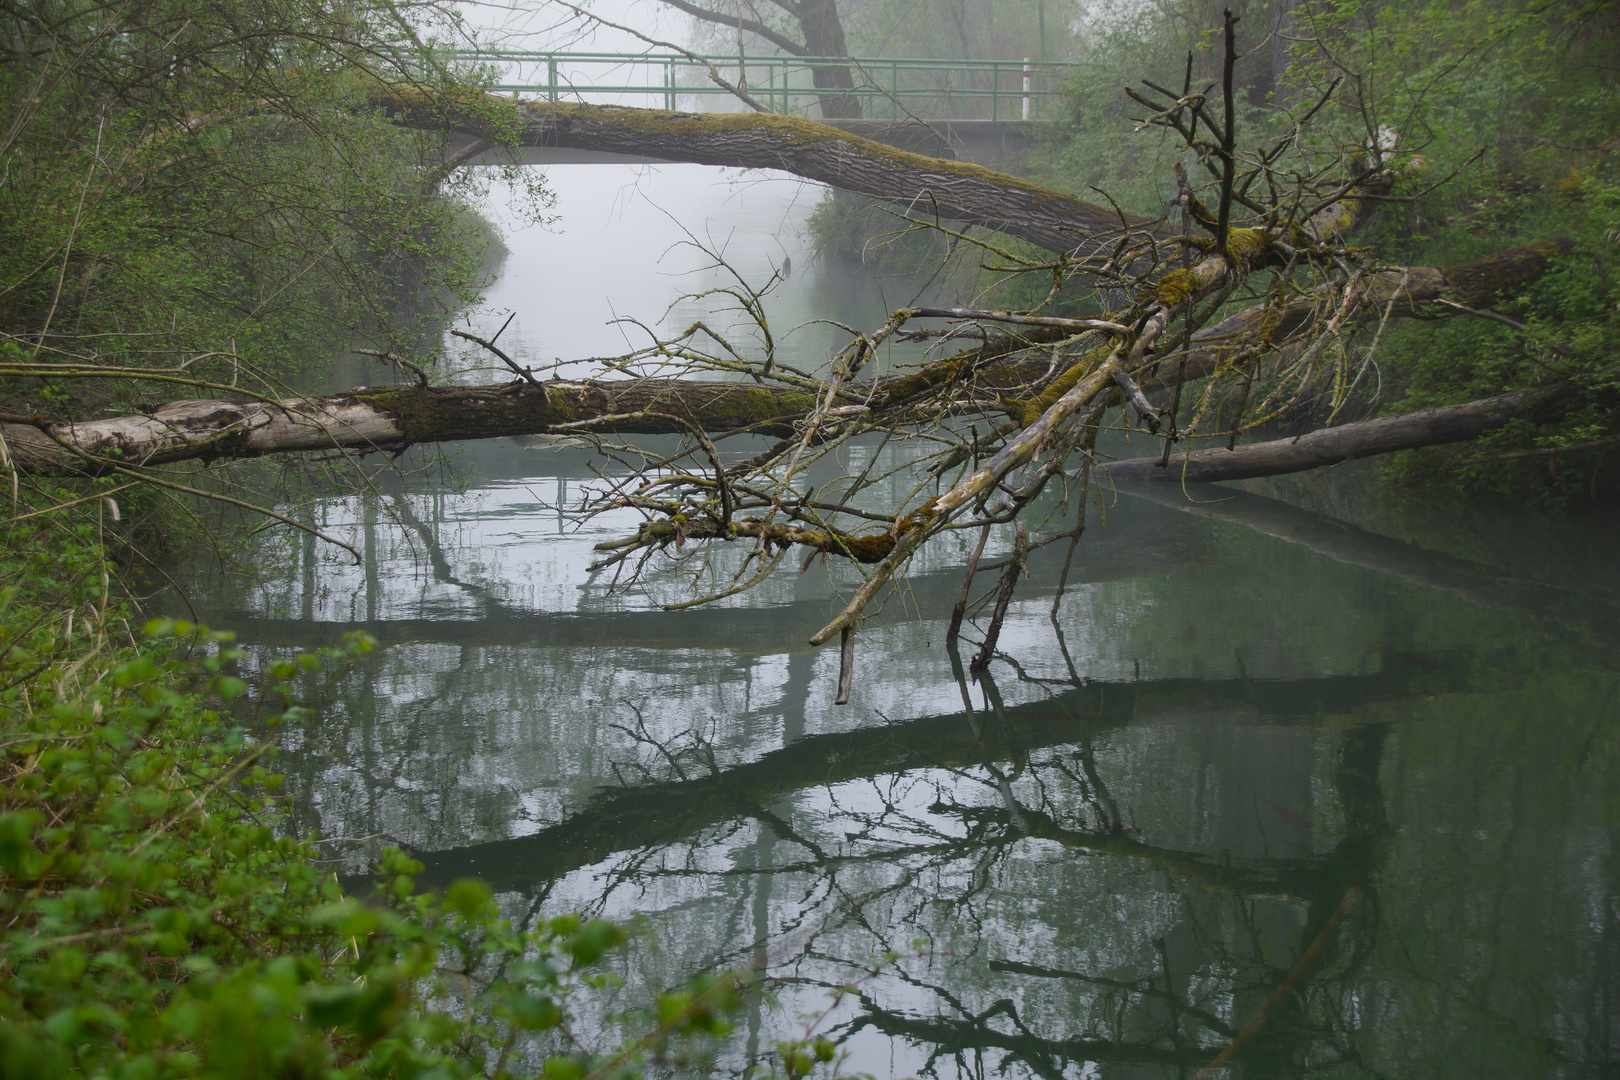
x=1335, y=445
x=391, y=418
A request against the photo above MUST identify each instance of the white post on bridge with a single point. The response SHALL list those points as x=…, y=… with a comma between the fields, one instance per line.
x=1026, y=88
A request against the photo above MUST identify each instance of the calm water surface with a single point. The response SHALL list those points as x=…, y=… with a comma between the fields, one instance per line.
x=1324, y=774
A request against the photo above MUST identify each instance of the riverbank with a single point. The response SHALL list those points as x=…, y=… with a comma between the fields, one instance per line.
x=162, y=919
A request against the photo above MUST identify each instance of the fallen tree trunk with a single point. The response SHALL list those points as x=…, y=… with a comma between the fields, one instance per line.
x=1335, y=445
x=1399, y=292
x=397, y=417
x=392, y=418
x=929, y=187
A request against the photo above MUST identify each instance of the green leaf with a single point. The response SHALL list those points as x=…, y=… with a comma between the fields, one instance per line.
x=594, y=939
x=534, y=1012
x=469, y=897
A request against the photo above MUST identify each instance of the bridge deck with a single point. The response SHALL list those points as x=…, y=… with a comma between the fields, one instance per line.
x=983, y=142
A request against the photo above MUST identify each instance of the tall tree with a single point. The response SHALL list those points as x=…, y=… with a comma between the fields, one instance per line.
x=180, y=179
x=820, y=35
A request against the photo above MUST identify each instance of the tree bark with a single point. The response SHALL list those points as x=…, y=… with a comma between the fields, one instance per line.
x=1336, y=445
x=1401, y=292
x=930, y=187
x=823, y=37
x=747, y=26
x=391, y=418
x=394, y=418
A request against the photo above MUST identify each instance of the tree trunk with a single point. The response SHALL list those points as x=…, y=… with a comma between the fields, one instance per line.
x=824, y=36
x=930, y=187
x=1401, y=292
x=1336, y=445
x=389, y=418
x=396, y=417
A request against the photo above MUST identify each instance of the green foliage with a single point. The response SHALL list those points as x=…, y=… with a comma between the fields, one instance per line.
x=1098, y=143
x=1510, y=113
x=1500, y=121
x=215, y=184
x=159, y=924
x=159, y=919
x=966, y=30
x=873, y=234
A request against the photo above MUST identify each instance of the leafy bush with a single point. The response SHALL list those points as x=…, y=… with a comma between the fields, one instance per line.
x=157, y=919
x=159, y=923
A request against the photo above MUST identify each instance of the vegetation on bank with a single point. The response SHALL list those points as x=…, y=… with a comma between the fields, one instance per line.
x=158, y=919
x=202, y=195
x=1502, y=117
x=1505, y=115
x=203, y=190
x=208, y=187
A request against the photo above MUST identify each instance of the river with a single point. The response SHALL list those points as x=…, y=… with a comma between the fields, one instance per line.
x=1316, y=768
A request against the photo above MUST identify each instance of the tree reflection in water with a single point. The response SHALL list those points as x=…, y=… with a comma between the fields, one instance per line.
x=919, y=835
x=1404, y=870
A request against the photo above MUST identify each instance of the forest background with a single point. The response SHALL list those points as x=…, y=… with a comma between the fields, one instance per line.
x=209, y=189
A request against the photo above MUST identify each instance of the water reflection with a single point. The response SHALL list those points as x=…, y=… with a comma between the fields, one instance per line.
x=1258, y=747
x=1263, y=764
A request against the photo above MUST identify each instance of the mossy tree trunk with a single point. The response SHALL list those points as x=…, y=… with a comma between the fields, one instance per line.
x=390, y=418
x=933, y=188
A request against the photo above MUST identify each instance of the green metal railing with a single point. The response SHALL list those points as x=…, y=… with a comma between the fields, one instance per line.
x=887, y=87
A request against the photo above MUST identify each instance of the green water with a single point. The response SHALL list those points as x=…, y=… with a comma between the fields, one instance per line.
x=1257, y=747
x=1328, y=776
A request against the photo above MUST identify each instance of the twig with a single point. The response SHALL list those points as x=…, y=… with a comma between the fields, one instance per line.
x=1504, y=320
x=48, y=429
x=1079, y=525
x=1015, y=317
x=714, y=72
x=1537, y=452
x=1009, y=581
x=846, y=664
x=522, y=372
x=395, y=358
x=960, y=609
x=1144, y=407
x=1223, y=219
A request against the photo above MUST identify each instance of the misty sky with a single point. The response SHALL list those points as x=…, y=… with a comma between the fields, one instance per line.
x=548, y=26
